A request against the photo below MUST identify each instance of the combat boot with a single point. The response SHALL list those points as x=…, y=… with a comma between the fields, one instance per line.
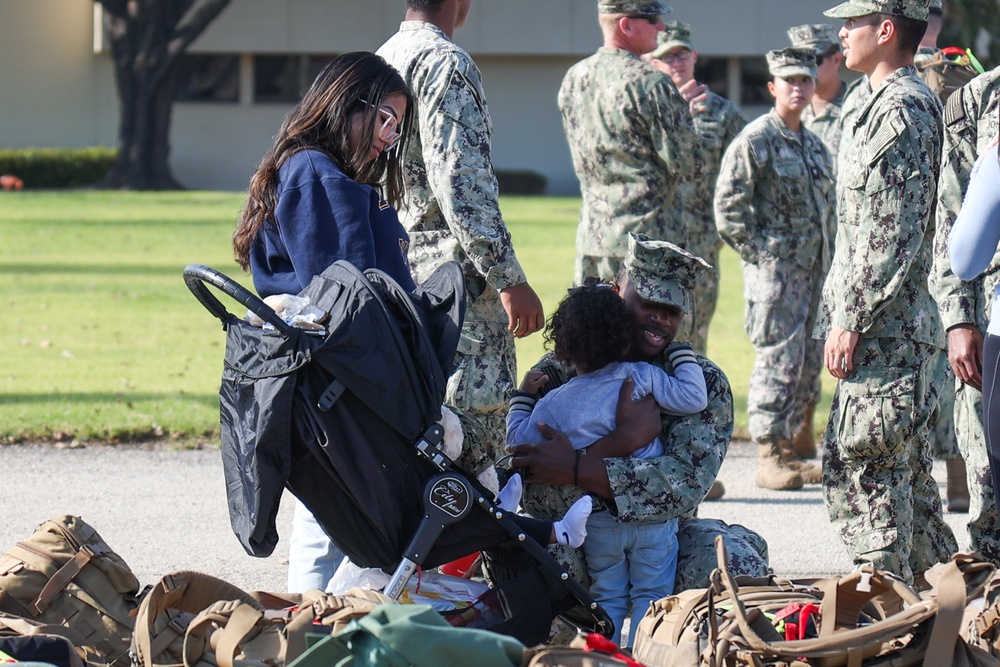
x=804, y=440
x=716, y=492
x=957, y=486
x=772, y=473
x=811, y=472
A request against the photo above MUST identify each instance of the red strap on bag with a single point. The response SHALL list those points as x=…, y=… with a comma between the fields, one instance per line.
x=597, y=643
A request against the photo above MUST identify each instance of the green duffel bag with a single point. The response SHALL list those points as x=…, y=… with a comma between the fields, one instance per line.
x=404, y=635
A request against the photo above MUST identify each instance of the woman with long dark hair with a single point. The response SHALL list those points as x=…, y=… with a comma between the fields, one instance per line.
x=327, y=188
x=326, y=191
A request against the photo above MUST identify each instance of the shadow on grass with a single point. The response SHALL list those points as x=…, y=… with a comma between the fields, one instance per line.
x=207, y=400
x=100, y=269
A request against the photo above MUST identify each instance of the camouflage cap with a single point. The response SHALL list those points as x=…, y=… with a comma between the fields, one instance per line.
x=820, y=37
x=638, y=7
x=911, y=9
x=677, y=35
x=785, y=63
x=662, y=272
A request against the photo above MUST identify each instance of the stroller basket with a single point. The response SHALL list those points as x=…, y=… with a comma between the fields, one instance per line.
x=347, y=420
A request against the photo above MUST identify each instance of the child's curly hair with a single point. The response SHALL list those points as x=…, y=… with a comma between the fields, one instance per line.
x=591, y=326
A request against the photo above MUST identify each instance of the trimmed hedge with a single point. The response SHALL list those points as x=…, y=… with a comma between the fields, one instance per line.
x=51, y=168
x=524, y=182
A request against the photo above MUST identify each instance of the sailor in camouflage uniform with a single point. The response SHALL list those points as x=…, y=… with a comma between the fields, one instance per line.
x=774, y=206
x=971, y=124
x=884, y=341
x=652, y=283
x=822, y=115
x=631, y=137
x=822, y=118
x=451, y=210
x=717, y=122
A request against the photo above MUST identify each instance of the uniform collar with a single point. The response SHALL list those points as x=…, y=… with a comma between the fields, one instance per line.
x=409, y=26
x=895, y=77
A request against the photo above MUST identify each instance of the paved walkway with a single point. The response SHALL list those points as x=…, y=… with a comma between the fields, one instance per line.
x=164, y=510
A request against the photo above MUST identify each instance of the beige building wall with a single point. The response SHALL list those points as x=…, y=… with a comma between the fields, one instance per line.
x=57, y=86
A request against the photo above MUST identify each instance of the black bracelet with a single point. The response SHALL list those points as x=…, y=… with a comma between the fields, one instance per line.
x=576, y=468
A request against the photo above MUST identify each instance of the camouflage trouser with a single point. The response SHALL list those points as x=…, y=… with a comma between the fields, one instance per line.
x=984, y=521
x=593, y=266
x=782, y=302
x=704, y=296
x=695, y=553
x=877, y=460
x=944, y=444
x=485, y=369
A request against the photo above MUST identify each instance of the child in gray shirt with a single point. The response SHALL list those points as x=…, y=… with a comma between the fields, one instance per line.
x=591, y=330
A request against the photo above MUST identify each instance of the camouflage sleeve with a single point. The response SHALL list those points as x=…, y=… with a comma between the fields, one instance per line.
x=734, y=121
x=672, y=486
x=734, y=190
x=896, y=192
x=456, y=133
x=672, y=131
x=956, y=298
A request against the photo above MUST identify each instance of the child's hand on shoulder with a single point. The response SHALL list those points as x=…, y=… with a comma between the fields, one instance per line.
x=533, y=381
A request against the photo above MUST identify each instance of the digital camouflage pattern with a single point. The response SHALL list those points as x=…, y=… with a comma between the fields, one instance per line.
x=792, y=61
x=717, y=125
x=661, y=272
x=877, y=480
x=971, y=123
x=886, y=188
x=451, y=210
x=820, y=37
x=774, y=206
x=666, y=487
x=629, y=157
x=826, y=124
x=775, y=194
x=675, y=35
x=855, y=98
x=640, y=7
x=912, y=9
x=877, y=459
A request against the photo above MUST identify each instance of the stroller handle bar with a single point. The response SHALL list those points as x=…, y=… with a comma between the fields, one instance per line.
x=195, y=277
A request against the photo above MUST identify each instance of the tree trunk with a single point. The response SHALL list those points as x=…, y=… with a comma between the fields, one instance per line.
x=147, y=38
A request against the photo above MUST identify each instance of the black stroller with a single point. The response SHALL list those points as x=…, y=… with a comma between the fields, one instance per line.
x=347, y=419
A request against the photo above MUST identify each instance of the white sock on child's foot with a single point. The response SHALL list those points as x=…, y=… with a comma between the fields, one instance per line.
x=571, y=530
x=510, y=495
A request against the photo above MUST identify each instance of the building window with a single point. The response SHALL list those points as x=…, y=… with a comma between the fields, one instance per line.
x=285, y=78
x=754, y=76
x=209, y=78
x=714, y=72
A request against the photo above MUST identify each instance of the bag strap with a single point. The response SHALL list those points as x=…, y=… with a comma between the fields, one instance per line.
x=236, y=620
x=845, y=598
x=186, y=593
x=61, y=579
x=26, y=628
x=857, y=640
x=951, y=597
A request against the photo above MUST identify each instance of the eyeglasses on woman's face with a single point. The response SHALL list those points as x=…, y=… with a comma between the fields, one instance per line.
x=389, y=131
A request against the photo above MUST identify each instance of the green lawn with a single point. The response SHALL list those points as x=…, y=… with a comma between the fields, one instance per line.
x=103, y=341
